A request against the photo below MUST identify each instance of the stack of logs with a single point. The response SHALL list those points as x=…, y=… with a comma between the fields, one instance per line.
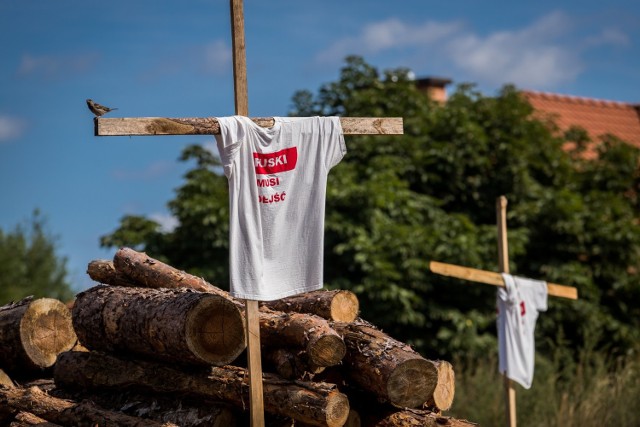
x=158, y=346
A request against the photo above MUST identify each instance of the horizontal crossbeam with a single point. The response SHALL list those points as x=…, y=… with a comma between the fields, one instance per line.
x=209, y=126
x=491, y=278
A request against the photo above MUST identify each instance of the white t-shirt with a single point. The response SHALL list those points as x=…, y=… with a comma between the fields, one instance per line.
x=518, y=305
x=277, y=186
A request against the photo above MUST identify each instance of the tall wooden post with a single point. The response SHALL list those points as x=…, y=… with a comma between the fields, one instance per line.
x=503, y=263
x=252, y=317
x=128, y=126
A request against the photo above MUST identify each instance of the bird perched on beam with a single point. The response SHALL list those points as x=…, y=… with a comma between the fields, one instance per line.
x=98, y=109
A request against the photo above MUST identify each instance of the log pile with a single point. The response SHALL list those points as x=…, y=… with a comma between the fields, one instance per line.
x=162, y=347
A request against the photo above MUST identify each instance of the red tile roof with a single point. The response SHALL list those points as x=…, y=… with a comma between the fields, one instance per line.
x=597, y=117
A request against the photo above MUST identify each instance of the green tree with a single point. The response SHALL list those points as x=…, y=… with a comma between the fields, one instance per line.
x=394, y=203
x=29, y=264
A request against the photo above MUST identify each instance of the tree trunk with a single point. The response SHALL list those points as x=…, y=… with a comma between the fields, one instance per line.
x=33, y=333
x=103, y=271
x=172, y=325
x=417, y=418
x=5, y=380
x=442, y=397
x=291, y=365
x=152, y=273
x=65, y=412
x=337, y=305
x=167, y=409
x=318, y=404
x=388, y=368
x=26, y=419
x=313, y=334
x=323, y=346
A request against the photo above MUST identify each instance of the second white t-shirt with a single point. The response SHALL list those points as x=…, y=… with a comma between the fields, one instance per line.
x=277, y=187
x=518, y=305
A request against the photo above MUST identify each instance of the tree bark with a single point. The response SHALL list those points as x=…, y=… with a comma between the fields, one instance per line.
x=388, y=368
x=337, y=305
x=103, y=271
x=5, y=380
x=172, y=325
x=318, y=404
x=26, y=419
x=291, y=365
x=442, y=397
x=65, y=412
x=323, y=346
x=417, y=418
x=33, y=333
x=168, y=409
x=313, y=334
x=152, y=273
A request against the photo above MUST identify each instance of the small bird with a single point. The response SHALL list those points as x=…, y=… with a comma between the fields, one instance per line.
x=98, y=109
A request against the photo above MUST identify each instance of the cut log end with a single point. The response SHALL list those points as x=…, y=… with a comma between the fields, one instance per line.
x=337, y=410
x=46, y=330
x=412, y=383
x=344, y=307
x=328, y=350
x=218, y=331
x=5, y=380
x=442, y=397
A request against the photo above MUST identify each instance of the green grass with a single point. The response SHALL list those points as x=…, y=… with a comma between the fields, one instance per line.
x=589, y=391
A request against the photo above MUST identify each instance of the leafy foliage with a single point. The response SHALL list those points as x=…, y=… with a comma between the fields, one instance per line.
x=29, y=264
x=395, y=203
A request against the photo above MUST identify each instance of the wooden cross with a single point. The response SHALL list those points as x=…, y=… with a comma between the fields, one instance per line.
x=209, y=126
x=491, y=278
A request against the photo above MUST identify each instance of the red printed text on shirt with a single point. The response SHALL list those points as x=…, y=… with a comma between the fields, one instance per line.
x=280, y=161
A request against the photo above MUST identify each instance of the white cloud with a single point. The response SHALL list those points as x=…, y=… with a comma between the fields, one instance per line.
x=385, y=35
x=532, y=56
x=152, y=171
x=542, y=54
x=217, y=57
x=51, y=66
x=11, y=128
x=608, y=36
x=167, y=222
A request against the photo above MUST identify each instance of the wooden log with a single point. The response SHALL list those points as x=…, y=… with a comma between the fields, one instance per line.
x=26, y=419
x=152, y=273
x=390, y=369
x=442, y=397
x=291, y=365
x=103, y=271
x=5, y=381
x=126, y=126
x=318, y=404
x=353, y=420
x=323, y=346
x=313, y=334
x=66, y=412
x=337, y=305
x=33, y=333
x=168, y=409
x=171, y=325
x=414, y=418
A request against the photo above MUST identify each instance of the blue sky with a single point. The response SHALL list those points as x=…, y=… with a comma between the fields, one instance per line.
x=173, y=59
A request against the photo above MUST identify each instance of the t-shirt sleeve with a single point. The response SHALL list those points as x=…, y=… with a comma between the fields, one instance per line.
x=232, y=134
x=335, y=147
x=508, y=293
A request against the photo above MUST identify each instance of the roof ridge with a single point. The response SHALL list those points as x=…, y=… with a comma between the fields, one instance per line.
x=580, y=99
